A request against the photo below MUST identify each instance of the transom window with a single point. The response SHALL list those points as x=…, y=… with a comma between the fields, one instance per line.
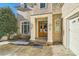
x=25, y=27
x=42, y=5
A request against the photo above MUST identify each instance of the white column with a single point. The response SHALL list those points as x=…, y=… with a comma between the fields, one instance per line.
x=66, y=33
x=32, y=29
x=50, y=28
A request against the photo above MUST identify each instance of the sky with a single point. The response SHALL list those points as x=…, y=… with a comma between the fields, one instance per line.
x=11, y=5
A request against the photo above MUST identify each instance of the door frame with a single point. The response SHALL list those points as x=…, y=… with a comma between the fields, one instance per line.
x=40, y=19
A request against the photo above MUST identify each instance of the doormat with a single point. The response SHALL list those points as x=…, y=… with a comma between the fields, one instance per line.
x=37, y=46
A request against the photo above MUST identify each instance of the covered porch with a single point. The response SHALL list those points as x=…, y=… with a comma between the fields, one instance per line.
x=41, y=28
x=47, y=28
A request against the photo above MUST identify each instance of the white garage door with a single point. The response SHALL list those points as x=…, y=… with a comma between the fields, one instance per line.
x=74, y=35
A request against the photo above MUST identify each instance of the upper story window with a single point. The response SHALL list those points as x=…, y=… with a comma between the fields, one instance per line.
x=42, y=5
x=25, y=5
x=28, y=5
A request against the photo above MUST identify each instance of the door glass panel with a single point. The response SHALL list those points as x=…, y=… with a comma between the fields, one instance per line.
x=40, y=26
x=45, y=26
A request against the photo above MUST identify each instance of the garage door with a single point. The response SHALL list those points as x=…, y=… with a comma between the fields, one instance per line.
x=74, y=35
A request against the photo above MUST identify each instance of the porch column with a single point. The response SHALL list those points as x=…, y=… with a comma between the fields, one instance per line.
x=32, y=29
x=50, y=28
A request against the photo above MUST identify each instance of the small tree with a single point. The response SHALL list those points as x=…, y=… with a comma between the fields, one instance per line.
x=8, y=22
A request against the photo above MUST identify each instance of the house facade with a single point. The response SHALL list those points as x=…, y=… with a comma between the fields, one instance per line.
x=44, y=21
x=51, y=22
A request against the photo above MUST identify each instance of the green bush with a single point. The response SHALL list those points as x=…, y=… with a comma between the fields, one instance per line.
x=8, y=22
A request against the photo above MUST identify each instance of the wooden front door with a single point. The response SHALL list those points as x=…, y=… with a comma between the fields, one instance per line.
x=42, y=28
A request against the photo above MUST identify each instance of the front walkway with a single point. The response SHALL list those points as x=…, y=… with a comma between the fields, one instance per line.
x=60, y=50
x=23, y=50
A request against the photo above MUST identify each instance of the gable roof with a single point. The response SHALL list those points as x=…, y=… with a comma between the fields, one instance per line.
x=20, y=17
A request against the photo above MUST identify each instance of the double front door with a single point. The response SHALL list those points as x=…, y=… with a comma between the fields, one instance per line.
x=42, y=28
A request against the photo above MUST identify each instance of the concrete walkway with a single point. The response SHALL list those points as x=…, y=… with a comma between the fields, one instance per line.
x=60, y=50
x=4, y=42
x=7, y=49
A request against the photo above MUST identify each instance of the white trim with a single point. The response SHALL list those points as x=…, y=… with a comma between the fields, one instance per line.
x=68, y=33
x=74, y=11
x=37, y=24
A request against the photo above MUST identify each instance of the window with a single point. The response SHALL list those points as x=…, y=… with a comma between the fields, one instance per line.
x=42, y=5
x=25, y=5
x=25, y=27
